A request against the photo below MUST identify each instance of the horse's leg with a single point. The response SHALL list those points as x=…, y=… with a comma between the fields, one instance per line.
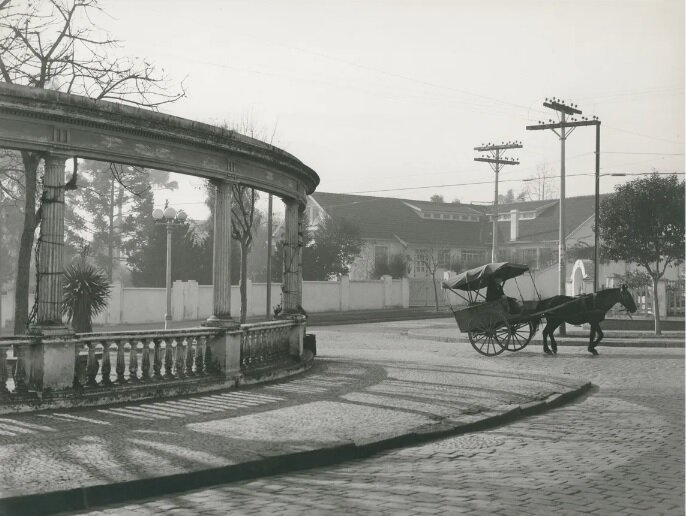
x=546, y=332
x=595, y=329
x=553, y=342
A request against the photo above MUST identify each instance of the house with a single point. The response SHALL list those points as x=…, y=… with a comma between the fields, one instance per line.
x=445, y=234
x=427, y=233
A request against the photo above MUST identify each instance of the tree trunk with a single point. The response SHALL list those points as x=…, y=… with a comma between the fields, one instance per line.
x=433, y=280
x=21, y=289
x=244, y=281
x=656, y=308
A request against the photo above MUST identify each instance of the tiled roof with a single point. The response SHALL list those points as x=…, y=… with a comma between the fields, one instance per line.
x=384, y=217
x=545, y=226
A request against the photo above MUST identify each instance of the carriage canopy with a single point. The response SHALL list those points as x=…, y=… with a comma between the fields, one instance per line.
x=477, y=278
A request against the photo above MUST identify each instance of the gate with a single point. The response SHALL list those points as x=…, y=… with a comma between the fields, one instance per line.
x=422, y=292
x=675, y=298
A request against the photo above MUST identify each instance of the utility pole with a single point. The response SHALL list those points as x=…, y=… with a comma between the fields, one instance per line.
x=563, y=125
x=269, y=258
x=497, y=160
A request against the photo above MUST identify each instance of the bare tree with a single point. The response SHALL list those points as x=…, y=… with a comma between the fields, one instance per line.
x=245, y=217
x=55, y=45
x=244, y=221
x=541, y=185
x=432, y=263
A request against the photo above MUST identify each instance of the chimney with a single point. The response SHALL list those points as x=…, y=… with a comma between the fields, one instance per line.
x=514, y=225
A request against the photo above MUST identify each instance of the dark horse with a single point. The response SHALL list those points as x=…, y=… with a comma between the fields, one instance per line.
x=586, y=308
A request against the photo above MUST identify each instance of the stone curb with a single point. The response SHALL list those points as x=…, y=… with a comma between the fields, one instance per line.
x=99, y=495
x=569, y=341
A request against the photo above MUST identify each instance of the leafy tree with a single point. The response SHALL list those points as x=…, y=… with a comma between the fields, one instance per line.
x=105, y=190
x=643, y=223
x=54, y=45
x=334, y=246
x=146, y=248
x=437, y=198
x=398, y=266
x=509, y=197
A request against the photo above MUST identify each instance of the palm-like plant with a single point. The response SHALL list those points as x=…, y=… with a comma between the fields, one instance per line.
x=85, y=291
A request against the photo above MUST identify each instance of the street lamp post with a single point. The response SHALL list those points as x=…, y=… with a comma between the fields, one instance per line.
x=170, y=218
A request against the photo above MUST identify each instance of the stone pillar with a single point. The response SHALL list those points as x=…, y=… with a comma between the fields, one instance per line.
x=388, y=290
x=221, y=263
x=301, y=245
x=292, y=274
x=405, y=288
x=345, y=293
x=51, y=253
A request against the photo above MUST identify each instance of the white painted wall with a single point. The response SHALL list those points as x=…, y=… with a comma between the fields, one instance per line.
x=191, y=301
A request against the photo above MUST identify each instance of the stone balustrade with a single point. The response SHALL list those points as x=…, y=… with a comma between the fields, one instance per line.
x=264, y=344
x=95, y=368
x=107, y=359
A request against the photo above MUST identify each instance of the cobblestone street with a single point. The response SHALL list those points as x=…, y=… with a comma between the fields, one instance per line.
x=620, y=450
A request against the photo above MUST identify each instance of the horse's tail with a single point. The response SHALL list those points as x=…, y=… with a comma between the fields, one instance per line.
x=535, y=323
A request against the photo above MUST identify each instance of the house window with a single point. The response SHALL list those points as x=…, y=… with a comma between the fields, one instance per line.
x=421, y=258
x=444, y=258
x=380, y=256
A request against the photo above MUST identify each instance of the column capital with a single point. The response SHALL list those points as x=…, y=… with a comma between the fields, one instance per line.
x=56, y=156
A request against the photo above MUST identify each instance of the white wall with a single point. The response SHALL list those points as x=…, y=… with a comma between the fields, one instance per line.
x=191, y=301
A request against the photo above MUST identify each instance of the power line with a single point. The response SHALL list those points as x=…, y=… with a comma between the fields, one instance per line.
x=507, y=181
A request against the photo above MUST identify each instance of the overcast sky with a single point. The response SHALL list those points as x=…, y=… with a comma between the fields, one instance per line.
x=381, y=95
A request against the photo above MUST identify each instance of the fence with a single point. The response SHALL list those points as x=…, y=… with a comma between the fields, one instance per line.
x=675, y=298
x=191, y=302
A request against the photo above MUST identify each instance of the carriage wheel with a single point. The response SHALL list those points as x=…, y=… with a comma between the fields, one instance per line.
x=521, y=334
x=491, y=334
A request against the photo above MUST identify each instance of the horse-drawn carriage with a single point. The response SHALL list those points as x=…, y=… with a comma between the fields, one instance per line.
x=498, y=323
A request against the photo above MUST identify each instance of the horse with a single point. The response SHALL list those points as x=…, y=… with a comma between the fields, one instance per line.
x=586, y=308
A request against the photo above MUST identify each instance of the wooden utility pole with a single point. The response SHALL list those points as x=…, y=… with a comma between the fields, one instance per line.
x=497, y=160
x=563, y=125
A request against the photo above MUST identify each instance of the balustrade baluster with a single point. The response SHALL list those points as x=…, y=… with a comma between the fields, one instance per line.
x=20, y=370
x=133, y=361
x=145, y=371
x=106, y=368
x=244, y=353
x=92, y=365
x=168, y=359
x=199, y=356
x=189, y=356
x=79, y=368
x=121, y=364
x=4, y=391
x=209, y=365
x=180, y=358
x=157, y=362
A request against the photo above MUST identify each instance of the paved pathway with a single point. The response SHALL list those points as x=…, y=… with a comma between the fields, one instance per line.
x=619, y=451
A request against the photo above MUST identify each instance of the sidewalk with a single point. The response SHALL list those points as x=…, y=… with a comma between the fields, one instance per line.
x=448, y=332
x=343, y=408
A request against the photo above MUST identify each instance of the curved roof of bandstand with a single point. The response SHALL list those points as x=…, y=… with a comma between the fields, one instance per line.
x=51, y=121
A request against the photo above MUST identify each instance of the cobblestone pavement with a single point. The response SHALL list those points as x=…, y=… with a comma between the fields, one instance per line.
x=367, y=384
x=618, y=451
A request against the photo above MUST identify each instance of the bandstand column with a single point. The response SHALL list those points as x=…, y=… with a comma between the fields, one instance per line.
x=221, y=262
x=292, y=271
x=51, y=241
